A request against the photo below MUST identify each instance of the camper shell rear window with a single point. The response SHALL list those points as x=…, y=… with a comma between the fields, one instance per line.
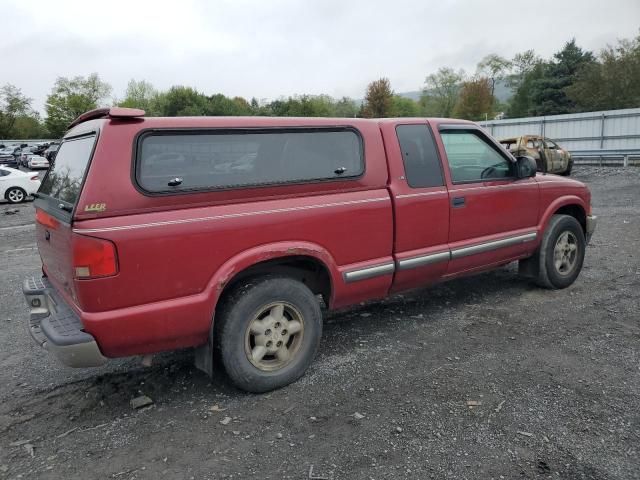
x=65, y=177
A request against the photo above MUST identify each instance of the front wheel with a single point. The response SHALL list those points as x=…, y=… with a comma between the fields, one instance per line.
x=16, y=195
x=267, y=333
x=561, y=252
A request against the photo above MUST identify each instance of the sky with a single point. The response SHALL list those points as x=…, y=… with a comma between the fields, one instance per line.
x=272, y=48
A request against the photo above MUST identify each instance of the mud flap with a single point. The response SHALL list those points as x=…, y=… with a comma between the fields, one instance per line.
x=204, y=356
x=530, y=267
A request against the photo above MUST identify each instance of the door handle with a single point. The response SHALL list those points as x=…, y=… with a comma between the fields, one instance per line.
x=457, y=202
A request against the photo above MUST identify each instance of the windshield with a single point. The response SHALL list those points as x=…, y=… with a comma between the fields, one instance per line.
x=64, y=179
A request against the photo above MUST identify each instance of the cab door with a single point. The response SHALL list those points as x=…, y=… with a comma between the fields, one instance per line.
x=554, y=154
x=493, y=214
x=421, y=204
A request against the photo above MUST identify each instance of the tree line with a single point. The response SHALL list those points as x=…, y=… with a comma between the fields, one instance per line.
x=572, y=80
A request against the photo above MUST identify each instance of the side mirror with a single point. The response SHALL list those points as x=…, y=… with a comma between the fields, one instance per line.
x=526, y=166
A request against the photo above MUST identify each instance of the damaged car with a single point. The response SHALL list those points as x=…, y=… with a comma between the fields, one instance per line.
x=549, y=156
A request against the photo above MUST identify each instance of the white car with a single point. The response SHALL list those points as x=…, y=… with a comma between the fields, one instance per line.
x=15, y=185
x=36, y=161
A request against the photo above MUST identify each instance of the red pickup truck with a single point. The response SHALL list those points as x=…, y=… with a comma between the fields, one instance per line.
x=231, y=234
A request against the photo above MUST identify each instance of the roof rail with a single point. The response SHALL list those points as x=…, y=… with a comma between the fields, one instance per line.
x=108, y=112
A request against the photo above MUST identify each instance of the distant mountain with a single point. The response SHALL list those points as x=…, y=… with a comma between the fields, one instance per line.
x=502, y=92
x=412, y=95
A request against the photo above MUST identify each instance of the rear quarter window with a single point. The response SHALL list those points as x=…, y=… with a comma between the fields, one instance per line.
x=419, y=155
x=183, y=161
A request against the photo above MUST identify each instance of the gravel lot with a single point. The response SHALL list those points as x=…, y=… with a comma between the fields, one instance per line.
x=479, y=378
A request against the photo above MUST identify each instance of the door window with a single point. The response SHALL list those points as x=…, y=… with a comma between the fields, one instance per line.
x=472, y=158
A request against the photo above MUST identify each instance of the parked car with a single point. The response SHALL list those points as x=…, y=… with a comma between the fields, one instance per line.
x=25, y=153
x=222, y=233
x=15, y=185
x=9, y=156
x=40, y=148
x=50, y=152
x=549, y=156
x=35, y=162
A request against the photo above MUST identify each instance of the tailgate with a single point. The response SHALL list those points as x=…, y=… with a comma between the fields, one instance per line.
x=54, y=244
x=55, y=204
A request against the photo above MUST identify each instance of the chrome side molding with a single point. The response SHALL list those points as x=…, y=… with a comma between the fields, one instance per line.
x=494, y=245
x=422, y=260
x=415, y=262
x=369, y=272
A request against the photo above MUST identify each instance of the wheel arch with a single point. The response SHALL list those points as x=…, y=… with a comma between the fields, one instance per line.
x=15, y=187
x=568, y=205
x=307, y=262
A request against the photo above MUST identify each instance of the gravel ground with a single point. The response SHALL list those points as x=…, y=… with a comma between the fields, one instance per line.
x=479, y=378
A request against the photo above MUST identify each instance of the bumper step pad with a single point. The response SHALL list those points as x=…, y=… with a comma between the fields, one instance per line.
x=56, y=327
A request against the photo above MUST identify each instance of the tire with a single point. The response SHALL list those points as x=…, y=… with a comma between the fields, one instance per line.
x=16, y=195
x=567, y=172
x=561, y=252
x=251, y=322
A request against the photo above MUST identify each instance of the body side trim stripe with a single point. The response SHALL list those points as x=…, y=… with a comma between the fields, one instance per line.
x=505, y=186
x=222, y=217
x=422, y=194
x=415, y=262
x=423, y=260
x=369, y=272
x=494, y=245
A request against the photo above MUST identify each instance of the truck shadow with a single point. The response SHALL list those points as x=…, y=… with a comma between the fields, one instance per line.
x=425, y=303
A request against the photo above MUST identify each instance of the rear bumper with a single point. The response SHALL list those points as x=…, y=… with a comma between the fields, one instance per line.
x=592, y=221
x=57, y=328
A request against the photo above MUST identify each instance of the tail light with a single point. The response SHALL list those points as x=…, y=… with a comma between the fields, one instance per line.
x=93, y=258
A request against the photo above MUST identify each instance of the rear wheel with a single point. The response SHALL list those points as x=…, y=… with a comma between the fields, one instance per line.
x=16, y=195
x=561, y=252
x=267, y=333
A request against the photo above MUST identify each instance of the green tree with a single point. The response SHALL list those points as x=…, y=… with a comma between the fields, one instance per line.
x=475, y=101
x=440, y=92
x=70, y=98
x=29, y=127
x=221, y=105
x=494, y=67
x=548, y=93
x=521, y=65
x=378, y=99
x=611, y=83
x=182, y=101
x=404, y=107
x=345, y=108
x=521, y=104
x=141, y=94
x=13, y=105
